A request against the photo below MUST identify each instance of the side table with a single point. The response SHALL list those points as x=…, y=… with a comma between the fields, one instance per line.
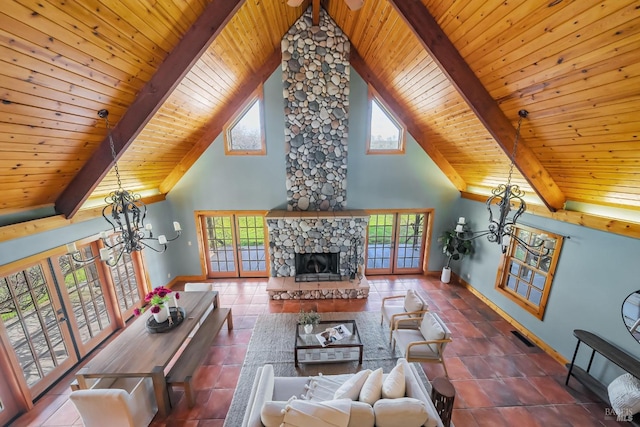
x=442, y=394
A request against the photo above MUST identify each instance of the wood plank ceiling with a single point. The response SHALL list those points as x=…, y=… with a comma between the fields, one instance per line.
x=574, y=65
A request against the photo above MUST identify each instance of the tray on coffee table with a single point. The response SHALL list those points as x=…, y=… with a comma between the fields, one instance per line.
x=309, y=349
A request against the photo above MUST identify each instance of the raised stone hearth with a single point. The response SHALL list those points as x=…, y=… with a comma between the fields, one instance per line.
x=286, y=288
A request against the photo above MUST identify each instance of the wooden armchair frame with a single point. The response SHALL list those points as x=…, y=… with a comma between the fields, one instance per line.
x=415, y=316
x=439, y=344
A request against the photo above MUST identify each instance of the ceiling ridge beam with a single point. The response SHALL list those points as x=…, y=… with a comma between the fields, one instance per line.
x=216, y=124
x=168, y=75
x=359, y=64
x=453, y=65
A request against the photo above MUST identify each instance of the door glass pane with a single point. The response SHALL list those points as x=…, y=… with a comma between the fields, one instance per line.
x=380, y=242
x=220, y=242
x=411, y=228
x=86, y=295
x=251, y=243
x=125, y=283
x=31, y=325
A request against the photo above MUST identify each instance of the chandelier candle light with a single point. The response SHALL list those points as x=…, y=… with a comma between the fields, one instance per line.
x=125, y=212
x=506, y=197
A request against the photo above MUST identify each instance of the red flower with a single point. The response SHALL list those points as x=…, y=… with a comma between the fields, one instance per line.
x=155, y=309
x=137, y=312
x=162, y=293
x=177, y=295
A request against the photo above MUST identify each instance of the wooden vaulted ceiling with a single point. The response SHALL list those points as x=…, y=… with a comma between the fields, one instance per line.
x=171, y=73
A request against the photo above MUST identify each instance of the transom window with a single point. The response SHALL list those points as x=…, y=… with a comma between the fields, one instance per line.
x=244, y=134
x=386, y=133
x=526, y=277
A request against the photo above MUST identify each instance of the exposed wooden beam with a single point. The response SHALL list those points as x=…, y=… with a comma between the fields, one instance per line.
x=169, y=74
x=214, y=127
x=358, y=63
x=316, y=12
x=27, y=228
x=451, y=63
x=602, y=223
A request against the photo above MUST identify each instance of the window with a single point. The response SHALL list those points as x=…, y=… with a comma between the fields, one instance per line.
x=526, y=277
x=386, y=133
x=244, y=134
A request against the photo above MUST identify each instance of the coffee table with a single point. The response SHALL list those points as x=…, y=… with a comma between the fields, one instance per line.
x=309, y=350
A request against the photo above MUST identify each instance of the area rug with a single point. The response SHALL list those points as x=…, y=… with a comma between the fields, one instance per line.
x=272, y=342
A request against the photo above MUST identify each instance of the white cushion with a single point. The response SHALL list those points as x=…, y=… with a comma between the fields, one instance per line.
x=405, y=412
x=323, y=387
x=351, y=388
x=412, y=301
x=430, y=328
x=393, y=386
x=302, y=413
x=372, y=388
x=624, y=395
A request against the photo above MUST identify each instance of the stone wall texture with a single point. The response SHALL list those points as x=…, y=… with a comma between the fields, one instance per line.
x=288, y=236
x=315, y=74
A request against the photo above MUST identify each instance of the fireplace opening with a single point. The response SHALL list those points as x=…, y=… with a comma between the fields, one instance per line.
x=319, y=267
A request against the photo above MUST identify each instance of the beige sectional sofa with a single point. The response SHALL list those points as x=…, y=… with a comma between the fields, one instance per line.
x=271, y=397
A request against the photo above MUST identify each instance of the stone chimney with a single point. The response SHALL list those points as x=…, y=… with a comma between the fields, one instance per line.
x=315, y=73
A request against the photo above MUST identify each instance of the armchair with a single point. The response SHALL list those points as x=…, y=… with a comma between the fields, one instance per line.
x=127, y=402
x=425, y=344
x=412, y=309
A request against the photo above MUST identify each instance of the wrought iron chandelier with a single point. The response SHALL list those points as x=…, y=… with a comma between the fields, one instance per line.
x=506, y=199
x=125, y=212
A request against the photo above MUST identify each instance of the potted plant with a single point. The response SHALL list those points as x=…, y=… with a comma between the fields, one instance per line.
x=308, y=319
x=455, y=249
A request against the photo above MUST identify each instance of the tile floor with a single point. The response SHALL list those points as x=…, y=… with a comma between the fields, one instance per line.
x=499, y=381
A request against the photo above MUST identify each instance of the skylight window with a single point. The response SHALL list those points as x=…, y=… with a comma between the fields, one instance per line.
x=386, y=133
x=244, y=134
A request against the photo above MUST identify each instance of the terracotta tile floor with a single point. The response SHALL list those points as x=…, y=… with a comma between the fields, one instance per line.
x=499, y=381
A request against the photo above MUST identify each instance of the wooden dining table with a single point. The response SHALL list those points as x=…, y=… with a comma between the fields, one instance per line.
x=138, y=353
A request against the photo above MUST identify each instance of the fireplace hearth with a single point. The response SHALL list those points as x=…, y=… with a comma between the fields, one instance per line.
x=317, y=267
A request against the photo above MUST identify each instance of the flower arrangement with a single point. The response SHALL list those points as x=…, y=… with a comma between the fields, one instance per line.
x=156, y=300
x=308, y=318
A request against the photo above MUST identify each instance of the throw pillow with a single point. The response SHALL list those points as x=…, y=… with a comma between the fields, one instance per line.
x=405, y=412
x=322, y=387
x=372, y=388
x=412, y=301
x=431, y=329
x=332, y=413
x=624, y=395
x=393, y=386
x=351, y=388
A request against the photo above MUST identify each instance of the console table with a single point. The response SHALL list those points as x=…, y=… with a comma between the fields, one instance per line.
x=597, y=344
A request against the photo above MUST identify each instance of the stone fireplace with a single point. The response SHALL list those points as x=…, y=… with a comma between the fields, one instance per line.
x=316, y=234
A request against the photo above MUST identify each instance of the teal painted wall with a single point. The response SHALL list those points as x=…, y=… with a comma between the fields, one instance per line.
x=220, y=182
x=595, y=274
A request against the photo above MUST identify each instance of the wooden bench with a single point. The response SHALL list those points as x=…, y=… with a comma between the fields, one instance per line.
x=188, y=361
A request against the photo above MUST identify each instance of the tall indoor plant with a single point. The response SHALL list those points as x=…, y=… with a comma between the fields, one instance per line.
x=455, y=249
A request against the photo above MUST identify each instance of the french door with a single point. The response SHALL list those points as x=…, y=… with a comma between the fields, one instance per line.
x=53, y=312
x=34, y=327
x=235, y=244
x=396, y=242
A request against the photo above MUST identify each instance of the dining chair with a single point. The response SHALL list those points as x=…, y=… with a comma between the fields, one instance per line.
x=126, y=402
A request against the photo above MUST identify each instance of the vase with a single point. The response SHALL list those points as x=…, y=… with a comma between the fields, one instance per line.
x=162, y=315
x=446, y=275
x=308, y=329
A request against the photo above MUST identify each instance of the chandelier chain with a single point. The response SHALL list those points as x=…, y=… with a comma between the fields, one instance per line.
x=113, y=152
x=522, y=114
